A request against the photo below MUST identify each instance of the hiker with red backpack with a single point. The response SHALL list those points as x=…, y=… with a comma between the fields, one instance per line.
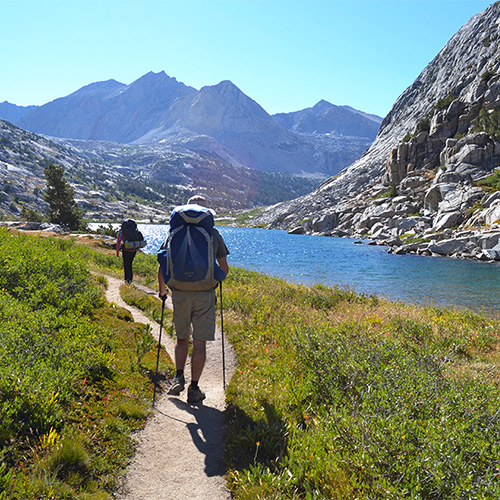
x=192, y=263
x=128, y=241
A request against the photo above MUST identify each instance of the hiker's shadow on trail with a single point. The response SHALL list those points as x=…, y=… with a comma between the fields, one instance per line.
x=207, y=434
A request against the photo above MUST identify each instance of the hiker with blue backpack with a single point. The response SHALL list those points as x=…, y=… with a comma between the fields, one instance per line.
x=192, y=263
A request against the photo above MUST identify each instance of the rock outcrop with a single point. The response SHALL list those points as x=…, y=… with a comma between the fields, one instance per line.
x=427, y=184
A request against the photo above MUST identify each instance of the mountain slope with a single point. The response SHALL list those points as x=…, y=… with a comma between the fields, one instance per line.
x=74, y=115
x=113, y=180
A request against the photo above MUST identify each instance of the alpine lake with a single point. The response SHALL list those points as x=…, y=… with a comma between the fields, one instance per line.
x=363, y=268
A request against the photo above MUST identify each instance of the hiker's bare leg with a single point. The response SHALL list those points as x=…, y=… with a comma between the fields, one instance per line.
x=181, y=352
x=198, y=358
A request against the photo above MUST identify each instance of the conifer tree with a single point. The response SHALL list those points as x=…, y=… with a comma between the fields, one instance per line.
x=60, y=196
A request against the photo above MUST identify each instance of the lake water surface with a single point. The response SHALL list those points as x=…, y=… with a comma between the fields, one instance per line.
x=369, y=269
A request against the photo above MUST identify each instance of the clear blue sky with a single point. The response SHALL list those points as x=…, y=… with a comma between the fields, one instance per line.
x=284, y=54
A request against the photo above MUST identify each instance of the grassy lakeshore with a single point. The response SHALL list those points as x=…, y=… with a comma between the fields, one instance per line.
x=340, y=396
x=337, y=395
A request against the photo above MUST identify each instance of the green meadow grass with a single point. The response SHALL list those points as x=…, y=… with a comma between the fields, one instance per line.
x=150, y=305
x=75, y=374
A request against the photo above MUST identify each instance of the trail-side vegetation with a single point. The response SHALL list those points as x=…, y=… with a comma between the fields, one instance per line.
x=339, y=396
x=336, y=395
x=150, y=305
x=75, y=373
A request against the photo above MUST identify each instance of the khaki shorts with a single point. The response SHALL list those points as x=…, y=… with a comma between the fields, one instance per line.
x=194, y=313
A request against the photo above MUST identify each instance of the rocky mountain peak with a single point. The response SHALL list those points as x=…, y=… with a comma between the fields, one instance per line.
x=322, y=106
x=151, y=75
x=225, y=86
x=159, y=81
x=13, y=113
x=224, y=108
x=92, y=91
x=327, y=118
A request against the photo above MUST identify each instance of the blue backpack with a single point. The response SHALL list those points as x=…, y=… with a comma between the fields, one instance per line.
x=187, y=258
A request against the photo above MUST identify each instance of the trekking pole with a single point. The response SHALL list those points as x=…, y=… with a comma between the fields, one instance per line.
x=222, y=331
x=163, y=299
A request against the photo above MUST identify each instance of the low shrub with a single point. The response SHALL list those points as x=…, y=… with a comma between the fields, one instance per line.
x=488, y=121
x=492, y=182
x=356, y=397
x=393, y=192
x=444, y=102
x=424, y=125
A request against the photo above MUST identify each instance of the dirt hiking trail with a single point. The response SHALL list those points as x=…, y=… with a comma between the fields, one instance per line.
x=179, y=452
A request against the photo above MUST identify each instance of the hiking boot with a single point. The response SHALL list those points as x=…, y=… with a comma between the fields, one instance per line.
x=195, y=395
x=177, y=386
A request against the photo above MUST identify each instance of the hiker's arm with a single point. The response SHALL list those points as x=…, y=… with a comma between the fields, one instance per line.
x=222, y=261
x=161, y=284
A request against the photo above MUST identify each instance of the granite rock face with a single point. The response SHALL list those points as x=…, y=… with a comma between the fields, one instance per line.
x=423, y=184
